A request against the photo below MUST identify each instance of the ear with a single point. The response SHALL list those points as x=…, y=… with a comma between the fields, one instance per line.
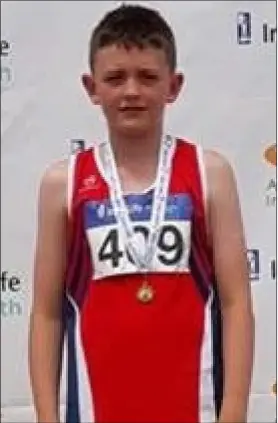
x=175, y=87
x=88, y=83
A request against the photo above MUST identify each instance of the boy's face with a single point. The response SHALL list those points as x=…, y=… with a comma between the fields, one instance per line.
x=132, y=86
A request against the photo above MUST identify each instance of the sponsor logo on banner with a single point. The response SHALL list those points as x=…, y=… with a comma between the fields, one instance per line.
x=274, y=392
x=77, y=145
x=255, y=266
x=7, y=76
x=273, y=269
x=245, y=32
x=11, y=290
x=270, y=157
x=271, y=193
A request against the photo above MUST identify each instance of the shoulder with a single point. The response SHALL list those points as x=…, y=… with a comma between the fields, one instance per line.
x=55, y=175
x=217, y=166
x=53, y=183
x=216, y=162
x=220, y=175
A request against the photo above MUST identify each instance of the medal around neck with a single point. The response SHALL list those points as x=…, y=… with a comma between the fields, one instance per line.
x=141, y=251
x=145, y=293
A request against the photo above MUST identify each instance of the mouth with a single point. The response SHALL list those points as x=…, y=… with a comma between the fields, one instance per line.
x=132, y=109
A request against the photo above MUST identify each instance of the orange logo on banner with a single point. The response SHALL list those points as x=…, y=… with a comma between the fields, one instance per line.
x=270, y=155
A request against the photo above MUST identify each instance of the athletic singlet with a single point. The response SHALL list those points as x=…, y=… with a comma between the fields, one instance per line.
x=128, y=361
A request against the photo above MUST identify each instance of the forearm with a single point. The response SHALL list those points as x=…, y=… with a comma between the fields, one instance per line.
x=44, y=361
x=238, y=342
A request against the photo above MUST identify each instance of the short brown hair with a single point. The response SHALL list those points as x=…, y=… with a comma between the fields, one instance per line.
x=134, y=25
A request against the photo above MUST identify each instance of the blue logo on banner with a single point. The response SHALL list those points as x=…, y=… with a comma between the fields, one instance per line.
x=100, y=213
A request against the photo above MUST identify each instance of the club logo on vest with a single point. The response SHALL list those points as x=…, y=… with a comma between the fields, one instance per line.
x=89, y=183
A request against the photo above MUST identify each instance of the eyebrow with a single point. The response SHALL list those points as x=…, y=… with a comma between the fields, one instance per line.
x=140, y=69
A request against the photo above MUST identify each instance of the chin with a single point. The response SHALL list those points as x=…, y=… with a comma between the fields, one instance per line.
x=133, y=128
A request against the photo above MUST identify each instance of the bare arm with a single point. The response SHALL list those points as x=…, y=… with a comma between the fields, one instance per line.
x=227, y=237
x=45, y=337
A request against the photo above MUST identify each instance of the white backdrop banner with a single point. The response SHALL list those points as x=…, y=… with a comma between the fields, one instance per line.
x=227, y=50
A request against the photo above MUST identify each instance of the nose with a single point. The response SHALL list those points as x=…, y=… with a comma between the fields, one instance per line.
x=132, y=88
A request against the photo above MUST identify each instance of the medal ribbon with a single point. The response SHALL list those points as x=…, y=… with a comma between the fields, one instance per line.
x=143, y=260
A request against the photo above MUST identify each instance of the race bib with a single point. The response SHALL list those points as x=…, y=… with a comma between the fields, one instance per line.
x=110, y=256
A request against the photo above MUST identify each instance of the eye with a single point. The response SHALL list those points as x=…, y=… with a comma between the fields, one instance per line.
x=149, y=77
x=114, y=78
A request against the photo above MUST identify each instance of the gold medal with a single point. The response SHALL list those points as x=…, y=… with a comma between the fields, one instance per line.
x=145, y=293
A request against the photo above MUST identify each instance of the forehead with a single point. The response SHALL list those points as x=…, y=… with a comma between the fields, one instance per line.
x=119, y=57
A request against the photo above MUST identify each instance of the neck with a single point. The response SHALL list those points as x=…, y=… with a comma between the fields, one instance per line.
x=133, y=151
x=136, y=159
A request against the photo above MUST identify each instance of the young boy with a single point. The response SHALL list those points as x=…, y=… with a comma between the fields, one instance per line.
x=140, y=255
